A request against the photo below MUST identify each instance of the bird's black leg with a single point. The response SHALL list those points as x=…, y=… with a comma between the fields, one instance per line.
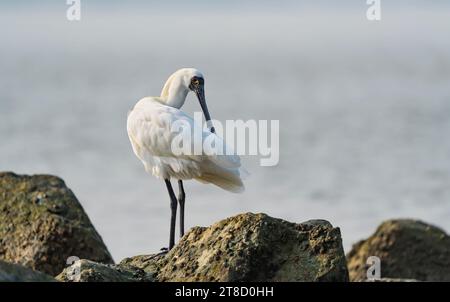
x=181, y=199
x=173, y=216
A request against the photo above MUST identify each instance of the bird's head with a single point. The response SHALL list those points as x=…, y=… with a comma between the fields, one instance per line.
x=178, y=86
x=193, y=80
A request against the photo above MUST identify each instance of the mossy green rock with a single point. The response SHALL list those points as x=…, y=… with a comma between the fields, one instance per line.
x=42, y=224
x=408, y=249
x=10, y=272
x=252, y=247
x=89, y=271
x=390, y=280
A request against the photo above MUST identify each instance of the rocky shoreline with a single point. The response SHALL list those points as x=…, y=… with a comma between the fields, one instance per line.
x=42, y=225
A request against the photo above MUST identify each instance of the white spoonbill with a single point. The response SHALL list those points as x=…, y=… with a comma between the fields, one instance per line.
x=149, y=127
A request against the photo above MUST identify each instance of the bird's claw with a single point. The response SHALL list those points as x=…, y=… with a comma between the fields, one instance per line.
x=163, y=251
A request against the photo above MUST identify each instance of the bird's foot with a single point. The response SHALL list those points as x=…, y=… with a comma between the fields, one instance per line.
x=163, y=251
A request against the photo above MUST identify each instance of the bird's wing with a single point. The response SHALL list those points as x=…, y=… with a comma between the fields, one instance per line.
x=154, y=128
x=149, y=128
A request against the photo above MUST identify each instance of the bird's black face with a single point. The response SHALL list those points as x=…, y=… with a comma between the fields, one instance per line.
x=197, y=85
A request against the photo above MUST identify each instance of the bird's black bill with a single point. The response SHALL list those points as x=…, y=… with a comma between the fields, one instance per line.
x=201, y=98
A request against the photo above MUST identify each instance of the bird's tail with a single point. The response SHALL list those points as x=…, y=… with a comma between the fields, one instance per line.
x=227, y=179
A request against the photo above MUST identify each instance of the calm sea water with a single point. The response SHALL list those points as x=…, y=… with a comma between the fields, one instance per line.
x=363, y=109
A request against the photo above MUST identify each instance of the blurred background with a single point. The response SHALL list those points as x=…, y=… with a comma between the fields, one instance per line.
x=363, y=107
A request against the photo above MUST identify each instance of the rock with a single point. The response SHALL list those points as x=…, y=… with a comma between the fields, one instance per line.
x=408, y=249
x=89, y=271
x=10, y=272
x=252, y=247
x=391, y=280
x=247, y=247
x=42, y=224
x=148, y=263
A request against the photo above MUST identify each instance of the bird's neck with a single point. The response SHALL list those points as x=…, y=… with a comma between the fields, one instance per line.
x=174, y=93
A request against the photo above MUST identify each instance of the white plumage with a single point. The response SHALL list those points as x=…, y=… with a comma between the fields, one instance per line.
x=149, y=127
